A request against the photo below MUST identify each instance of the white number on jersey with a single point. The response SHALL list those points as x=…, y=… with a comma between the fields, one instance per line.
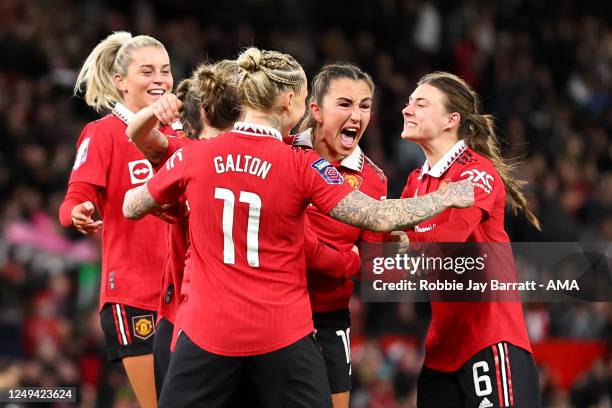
x=227, y=222
x=177, y=155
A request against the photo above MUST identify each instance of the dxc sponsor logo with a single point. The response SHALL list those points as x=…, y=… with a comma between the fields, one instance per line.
x=480, y=179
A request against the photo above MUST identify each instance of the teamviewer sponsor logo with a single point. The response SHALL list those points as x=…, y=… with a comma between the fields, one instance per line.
x=141, y=171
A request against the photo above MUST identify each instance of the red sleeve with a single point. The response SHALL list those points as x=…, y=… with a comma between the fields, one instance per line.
x=408, y=191
x=324, y=260
x=168, y=184
x=174, y=143
x=461, y=223
x=94, y=154
x=78, y=192
x=487, y=184
x=323, y=184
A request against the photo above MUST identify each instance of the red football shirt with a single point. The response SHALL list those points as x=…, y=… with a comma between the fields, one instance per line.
x=247, y=193
x=328, y=290
x=178, y=243
x=458, y=330
x=132, y=251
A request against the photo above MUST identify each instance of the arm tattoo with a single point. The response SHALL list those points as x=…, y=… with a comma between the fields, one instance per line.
x=364, y=212
x=138, y=202
x=154, y=147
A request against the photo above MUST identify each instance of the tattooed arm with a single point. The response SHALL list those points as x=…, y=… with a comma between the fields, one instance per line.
x=364, y=212
x=138, y=202
x=141, y=130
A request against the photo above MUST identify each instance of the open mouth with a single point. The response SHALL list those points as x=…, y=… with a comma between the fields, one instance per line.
x=156, y=92
x=408, y=124
x=347, y=137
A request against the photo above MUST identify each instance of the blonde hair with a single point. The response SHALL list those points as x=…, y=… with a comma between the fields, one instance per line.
x=322, y=82
x=111, y=56
x=478, y=130
x=264, y=75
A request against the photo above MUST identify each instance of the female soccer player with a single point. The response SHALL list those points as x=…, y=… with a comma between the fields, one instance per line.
x=340, y=108
x=123, y=74
x=477, y=353
x=248, y=192
x=206, y=105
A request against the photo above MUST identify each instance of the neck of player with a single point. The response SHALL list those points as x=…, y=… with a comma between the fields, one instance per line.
x=436, y=148
x=257, y=117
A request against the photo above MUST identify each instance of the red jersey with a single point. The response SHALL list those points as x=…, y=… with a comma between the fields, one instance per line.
x=132, y=251
x=458, y=330
x=178, y=243
x=328, y=289
x=247, y=193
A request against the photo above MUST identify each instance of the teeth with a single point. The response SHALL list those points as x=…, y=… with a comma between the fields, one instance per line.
x=350, y=132
x=156, y=91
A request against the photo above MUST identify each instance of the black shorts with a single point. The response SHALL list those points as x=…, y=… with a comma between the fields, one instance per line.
x=501, y=375
x=334, y=336
x=128, y=331
x=161, y=351
x=293, y=376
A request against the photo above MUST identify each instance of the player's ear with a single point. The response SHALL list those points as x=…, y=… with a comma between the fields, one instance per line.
x=453, y=121
x=316, y=111
x=288, y=99
x=119, y=82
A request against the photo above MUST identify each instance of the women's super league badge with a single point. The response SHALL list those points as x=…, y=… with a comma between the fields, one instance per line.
x=329, y=173
x=144, y=326
x=353, y=180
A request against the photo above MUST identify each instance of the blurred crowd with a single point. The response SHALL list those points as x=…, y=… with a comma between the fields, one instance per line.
x=543, y=68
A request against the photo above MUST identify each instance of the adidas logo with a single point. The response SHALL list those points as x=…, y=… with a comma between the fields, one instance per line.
x=485, y=403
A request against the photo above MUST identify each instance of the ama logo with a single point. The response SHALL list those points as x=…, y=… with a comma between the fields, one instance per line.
x=141, y=171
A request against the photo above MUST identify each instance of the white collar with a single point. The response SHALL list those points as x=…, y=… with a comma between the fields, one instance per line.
x=123, y=113
x=353, y=161
x=445, y=162
x=257, y=130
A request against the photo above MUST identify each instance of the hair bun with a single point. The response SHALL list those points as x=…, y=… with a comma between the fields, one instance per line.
x=250, y=60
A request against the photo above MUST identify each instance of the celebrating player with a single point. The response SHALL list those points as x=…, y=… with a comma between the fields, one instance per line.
x=248, y=193
x=339, y=113
x=207, y=105
x=476, y=354
x=125, y=74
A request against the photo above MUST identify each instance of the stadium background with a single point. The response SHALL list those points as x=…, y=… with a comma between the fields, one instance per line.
x=543, y=68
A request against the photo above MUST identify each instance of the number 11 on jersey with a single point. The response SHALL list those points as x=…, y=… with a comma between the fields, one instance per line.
x=227, y=222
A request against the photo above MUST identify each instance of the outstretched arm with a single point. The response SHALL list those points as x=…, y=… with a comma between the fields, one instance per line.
x=141, y=130
x=364, y=212
x=138, y=202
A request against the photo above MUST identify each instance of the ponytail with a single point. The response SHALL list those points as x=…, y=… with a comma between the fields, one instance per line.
x=96, y=75
x=483, y=140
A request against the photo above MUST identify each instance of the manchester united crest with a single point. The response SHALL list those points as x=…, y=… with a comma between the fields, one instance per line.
x=144, y=326
x=353, y=180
